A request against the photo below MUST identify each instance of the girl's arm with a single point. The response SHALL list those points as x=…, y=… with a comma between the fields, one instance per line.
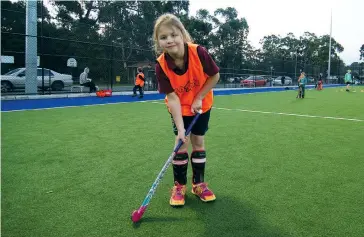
x=209, y=84
x=174, y=105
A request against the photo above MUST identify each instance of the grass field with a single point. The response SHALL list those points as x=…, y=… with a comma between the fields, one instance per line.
x=81, y=171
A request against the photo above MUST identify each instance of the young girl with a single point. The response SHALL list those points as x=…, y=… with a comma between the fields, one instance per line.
x=348, y=80
x=302, y=81
x=319, y=83
x=186, y=73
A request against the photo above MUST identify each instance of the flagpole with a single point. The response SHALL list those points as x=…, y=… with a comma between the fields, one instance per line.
x=329, y=66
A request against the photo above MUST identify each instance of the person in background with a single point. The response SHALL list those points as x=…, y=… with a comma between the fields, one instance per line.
x=283, y=78
x=302, y=81
x=84, y=81
x=348, y=80
x=139, y=83
x=319, y=82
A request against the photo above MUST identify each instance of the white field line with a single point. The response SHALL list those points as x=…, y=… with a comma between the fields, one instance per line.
x=279, y=113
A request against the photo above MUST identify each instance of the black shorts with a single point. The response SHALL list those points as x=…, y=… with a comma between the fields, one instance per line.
x=201, y=126
x=348, y=83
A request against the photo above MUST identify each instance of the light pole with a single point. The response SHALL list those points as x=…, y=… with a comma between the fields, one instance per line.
x=295, y=68
x=329, y=63
x=271, y=75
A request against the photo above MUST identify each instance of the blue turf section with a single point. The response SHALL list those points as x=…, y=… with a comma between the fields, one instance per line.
x=29, y=104
x=9, y=105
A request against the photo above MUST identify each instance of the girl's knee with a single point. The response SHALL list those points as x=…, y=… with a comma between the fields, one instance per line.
x=184, y=147
x=183, y=150
x=198, y=142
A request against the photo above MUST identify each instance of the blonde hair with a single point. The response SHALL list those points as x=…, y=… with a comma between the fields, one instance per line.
x=302, y=75
x=171, y=20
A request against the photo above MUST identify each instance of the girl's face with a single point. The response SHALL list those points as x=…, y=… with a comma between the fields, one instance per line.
x=170, y=40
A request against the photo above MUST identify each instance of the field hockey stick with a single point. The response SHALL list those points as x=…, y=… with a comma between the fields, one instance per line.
x=137, y=214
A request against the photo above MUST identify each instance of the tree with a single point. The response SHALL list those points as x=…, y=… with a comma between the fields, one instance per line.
x=129, y=28
x=78, y=15
x=276, y=51
x=109, y=36
x=229, y=40
x=310, y=51
x=200, y=27
x=361, y=52
x=13, y=24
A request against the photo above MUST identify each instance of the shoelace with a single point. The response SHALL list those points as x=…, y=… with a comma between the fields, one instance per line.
x=202, y=188
x=178, y=190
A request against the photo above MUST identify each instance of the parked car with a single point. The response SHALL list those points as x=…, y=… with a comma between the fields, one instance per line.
x=334, y=80
x=357, y=82
x=15, y=79
x=268, y=78
x=253, y=81
x=278, y=81
x=234, y=79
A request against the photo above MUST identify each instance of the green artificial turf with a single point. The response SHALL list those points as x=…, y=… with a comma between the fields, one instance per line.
x=82, y=171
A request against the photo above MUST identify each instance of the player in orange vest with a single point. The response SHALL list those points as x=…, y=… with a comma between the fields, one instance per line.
x=139, y=83
x=186, y=73
x=319, y=83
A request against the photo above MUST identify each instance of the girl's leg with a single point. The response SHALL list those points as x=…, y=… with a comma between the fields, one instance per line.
x=180, y=163
x=180, y=166
x=198, y=159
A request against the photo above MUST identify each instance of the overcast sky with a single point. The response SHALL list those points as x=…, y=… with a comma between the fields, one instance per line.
x=267, y=17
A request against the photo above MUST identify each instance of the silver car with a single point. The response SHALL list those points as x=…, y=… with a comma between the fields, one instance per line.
x=15, y=79
x=278, y=81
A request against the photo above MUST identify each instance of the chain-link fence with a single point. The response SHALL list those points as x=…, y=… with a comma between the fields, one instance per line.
x=113, y=56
